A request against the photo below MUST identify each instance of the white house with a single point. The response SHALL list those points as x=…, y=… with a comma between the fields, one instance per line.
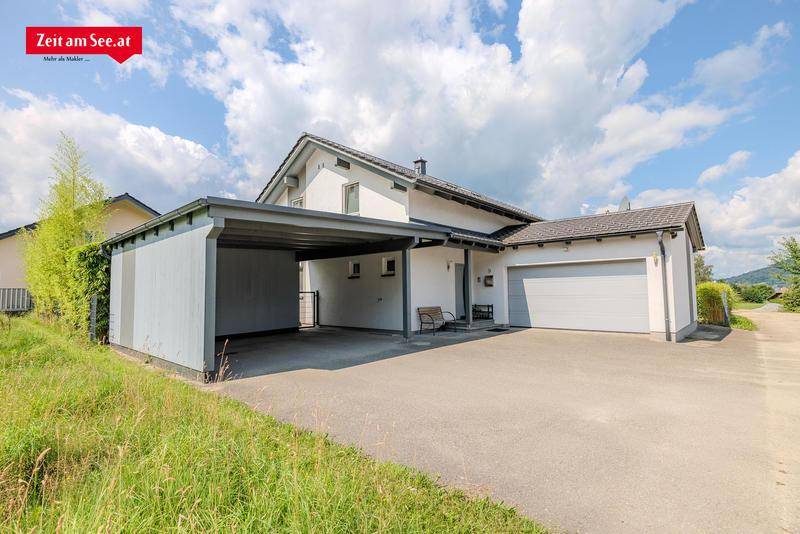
x=598, y=272
x=378, y=241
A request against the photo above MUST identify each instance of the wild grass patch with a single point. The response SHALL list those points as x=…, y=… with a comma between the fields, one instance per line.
x=91, y=442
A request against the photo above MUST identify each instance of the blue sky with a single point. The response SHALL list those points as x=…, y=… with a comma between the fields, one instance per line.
x=560, y=106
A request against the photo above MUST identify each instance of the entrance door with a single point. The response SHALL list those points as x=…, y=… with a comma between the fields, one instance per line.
x=459, y=281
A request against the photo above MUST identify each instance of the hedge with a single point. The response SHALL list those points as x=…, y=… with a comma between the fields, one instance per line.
x=709, y=302
x=755, y=292
x=791, y=299
x=88, y=274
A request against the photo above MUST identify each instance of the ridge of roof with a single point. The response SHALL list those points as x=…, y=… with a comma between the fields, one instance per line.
x=687, y=203
x=427, y=179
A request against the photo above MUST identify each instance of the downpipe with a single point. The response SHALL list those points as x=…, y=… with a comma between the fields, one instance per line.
x=660, y=236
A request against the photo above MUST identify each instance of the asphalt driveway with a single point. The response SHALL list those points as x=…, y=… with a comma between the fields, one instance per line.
x=584, y=431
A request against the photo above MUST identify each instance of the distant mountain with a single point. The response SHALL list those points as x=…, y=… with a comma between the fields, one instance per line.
x=765, y=275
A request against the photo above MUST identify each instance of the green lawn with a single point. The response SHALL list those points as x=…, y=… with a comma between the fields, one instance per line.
x=90, y=441
x=747, y=305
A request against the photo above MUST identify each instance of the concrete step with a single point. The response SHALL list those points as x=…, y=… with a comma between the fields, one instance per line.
x=462, y=326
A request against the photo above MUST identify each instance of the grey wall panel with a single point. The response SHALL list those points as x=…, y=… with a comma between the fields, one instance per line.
x=167, y=282
x=115, y=296
x=128, y=298
x=257, y=290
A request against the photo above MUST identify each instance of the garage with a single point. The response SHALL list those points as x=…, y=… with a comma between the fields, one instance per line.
x=605, y=296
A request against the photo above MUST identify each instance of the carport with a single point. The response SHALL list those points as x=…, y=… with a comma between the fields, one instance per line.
x=221, y=267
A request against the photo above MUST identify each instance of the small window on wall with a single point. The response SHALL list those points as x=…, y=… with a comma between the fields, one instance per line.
x=297, y=203
x=342, y=163
x=388, y=265
x=351, y=199
x=354, y=269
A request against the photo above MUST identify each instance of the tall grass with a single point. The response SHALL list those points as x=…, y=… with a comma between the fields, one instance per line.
x=92, y=442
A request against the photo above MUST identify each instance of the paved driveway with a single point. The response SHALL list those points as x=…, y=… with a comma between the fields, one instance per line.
x=583, y=431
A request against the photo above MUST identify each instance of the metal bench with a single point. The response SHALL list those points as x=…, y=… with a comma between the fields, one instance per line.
x=432, y=318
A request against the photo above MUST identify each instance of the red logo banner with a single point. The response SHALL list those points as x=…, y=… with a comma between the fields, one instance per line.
x=119, y=42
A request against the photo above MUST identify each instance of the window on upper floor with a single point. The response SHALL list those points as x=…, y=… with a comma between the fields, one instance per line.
x=351, y=199
x=298, y=202
x=342, y=163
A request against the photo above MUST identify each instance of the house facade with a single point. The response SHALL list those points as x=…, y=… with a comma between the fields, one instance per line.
x=376, y=241
x=598, y=272
x=122, y=213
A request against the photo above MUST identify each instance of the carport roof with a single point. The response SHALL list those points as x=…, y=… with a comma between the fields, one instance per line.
x=257, y=225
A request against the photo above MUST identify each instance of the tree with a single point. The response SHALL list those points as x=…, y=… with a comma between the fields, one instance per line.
x=72, y=214
x=788, y=259
x=702, y=272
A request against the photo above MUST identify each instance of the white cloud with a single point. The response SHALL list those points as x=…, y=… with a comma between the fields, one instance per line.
x=730, y=70
x=419, y=79
x=160, y=169
x=735, y=161
x=743, y=226
x=498, y=6
x=632, y=134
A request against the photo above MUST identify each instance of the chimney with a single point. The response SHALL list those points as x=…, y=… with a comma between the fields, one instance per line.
x=419, y=165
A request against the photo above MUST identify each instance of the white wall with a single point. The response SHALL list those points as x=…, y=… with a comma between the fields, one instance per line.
x=158, y=294
x=373, y=301
x=256, y=291
x=370, y=301
x=644, y=246
x=321, y=185
x=322, y=188
x=430, y=208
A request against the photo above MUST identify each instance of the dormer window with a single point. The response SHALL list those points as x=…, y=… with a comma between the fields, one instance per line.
x=342, y=163
x=351, y=199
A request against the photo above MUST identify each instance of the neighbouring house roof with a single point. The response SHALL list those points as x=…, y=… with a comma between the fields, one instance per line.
x=669, y=217
x=112, y=200
x=437, y=186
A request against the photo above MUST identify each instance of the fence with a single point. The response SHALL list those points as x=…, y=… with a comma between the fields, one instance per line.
x=15, y=299
x=309, y=309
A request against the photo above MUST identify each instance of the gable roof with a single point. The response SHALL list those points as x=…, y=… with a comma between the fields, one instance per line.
x=439, y=187
x=113, y=200
x=669, y=217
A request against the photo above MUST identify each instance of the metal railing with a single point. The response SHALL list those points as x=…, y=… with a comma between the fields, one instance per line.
x=309, y=309
x=15, y=299
x=482, y=311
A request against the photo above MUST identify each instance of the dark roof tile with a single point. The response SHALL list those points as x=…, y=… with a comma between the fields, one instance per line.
x=603, y=225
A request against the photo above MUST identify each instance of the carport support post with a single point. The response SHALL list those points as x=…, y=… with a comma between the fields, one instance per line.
x=210, y=304
x=406, y=261
x=468, y=286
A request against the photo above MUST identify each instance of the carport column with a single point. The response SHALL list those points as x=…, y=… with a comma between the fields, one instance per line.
x=210, y=313
x=406, y=260
x=468, y=286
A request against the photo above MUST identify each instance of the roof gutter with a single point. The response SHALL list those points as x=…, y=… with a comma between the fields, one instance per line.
x=183, y=210
x=660, y=236
x=594, y=236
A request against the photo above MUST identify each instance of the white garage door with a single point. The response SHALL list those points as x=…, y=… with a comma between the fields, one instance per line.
x=608, y=296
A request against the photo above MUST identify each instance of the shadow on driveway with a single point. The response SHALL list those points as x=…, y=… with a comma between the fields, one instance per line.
x=327, y=348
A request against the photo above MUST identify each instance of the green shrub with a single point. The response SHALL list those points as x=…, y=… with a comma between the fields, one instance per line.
x=709, y=301
x=791, y=299
x=755, y=292
x=88, y=273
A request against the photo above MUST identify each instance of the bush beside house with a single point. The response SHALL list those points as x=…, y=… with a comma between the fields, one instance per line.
x=710, y=308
